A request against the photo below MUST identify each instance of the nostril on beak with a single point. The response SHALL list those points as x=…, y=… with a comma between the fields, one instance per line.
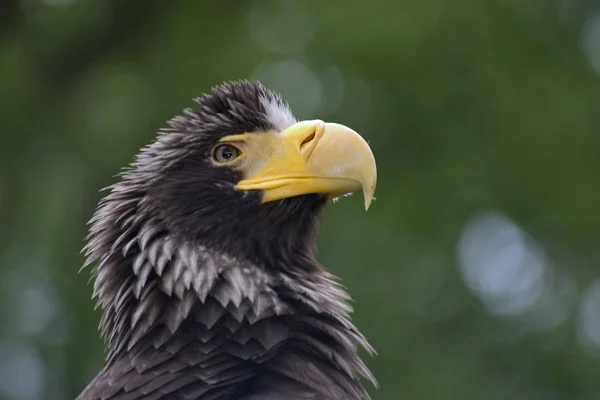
x=308, y=139
x=310, y=133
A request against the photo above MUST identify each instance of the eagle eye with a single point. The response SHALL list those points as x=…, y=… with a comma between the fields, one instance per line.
x=225, y=153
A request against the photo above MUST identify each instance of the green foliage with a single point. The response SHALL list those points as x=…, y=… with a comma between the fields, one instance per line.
x=475, y=271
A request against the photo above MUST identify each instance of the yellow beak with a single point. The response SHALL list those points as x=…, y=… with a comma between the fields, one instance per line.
x=313, y=157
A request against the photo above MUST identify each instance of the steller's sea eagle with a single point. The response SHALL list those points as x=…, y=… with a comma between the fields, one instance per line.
x=204, y=264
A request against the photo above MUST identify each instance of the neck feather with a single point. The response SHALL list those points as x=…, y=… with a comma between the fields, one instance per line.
x=151, y=283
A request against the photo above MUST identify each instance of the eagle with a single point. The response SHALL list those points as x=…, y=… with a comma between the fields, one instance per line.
x=203, y=258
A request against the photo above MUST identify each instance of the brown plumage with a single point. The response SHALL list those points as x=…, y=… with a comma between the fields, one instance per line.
x=207, y=292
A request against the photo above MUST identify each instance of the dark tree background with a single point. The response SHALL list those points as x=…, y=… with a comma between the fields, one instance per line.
x=476, y=273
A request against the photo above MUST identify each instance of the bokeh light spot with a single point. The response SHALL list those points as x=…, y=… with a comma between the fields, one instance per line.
x=589, y=316
x=591, y=40
x=22, y=372
x=295, y=81
x=501, y=264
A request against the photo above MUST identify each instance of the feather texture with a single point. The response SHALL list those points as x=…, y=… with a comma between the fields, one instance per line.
x=207, y=294
x=238, y=325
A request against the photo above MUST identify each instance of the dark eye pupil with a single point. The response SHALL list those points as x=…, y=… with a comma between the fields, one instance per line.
x=226, y=152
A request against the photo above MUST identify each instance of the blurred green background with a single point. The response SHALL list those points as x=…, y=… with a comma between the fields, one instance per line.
x=475, y=273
